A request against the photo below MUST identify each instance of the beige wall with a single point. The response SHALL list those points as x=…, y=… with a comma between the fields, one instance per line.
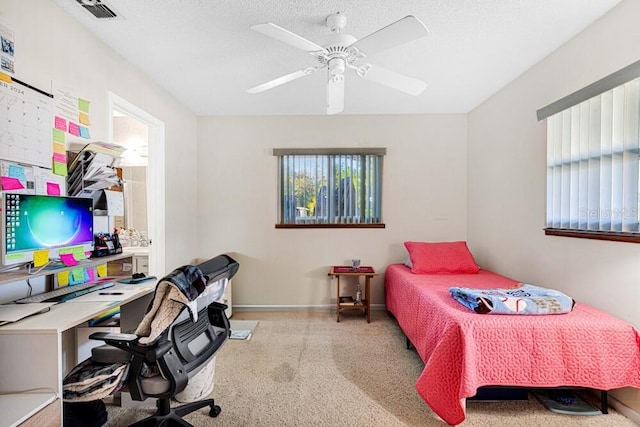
x=52, y=48
x=507, y=177
x=424, y=198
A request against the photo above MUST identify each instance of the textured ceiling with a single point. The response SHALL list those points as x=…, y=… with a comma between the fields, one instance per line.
x=203, y=52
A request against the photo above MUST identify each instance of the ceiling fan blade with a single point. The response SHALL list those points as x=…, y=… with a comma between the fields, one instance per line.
x=392, y=79
x=400, y=32
x=335, y=94
x=284, y=79
x=279, y=33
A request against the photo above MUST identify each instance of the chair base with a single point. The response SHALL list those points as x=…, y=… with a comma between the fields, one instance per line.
x=167, y=416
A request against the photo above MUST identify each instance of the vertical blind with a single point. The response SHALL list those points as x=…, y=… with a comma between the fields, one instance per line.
x=330, y=188
x=593, y=162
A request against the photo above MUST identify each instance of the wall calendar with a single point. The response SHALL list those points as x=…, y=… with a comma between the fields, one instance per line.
x=26, y=122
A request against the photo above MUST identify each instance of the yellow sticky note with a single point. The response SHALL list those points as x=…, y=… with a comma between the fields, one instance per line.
x=63, y=278
x=58, y=148
x=102, y=270
x=83, y=105
x=60, y=168
x=40, y=258
x=84, y=119
x=78, y=273
x=58, y=136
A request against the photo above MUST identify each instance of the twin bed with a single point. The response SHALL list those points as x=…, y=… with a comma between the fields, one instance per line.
x=463, y=350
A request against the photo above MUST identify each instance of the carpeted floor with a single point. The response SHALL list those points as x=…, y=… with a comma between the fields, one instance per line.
x=305, y=369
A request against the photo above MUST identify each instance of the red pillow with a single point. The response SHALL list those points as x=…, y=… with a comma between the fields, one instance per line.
x=441, y=258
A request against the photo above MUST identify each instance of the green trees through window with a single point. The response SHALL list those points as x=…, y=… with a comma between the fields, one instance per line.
x=330, y=189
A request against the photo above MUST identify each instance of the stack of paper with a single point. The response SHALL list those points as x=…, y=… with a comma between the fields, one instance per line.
x=93, y=168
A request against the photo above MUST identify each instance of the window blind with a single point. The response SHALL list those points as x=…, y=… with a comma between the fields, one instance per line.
x=329, y=188
x=593, y=162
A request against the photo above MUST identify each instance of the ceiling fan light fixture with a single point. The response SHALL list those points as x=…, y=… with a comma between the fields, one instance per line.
x=337, y=66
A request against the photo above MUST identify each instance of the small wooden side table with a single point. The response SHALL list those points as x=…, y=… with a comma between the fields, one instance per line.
x=349, y=302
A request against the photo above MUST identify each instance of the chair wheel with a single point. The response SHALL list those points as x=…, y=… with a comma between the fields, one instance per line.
x=215, y=411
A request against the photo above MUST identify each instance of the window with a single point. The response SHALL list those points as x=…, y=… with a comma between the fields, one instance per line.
x=593, y=146
x=330, y=187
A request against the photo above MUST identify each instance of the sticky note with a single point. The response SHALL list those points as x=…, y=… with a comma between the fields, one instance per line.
x=83, y=105
x=60, y=168
x=58, y=148
x=78, y=252
x=74, y=129
x=40, y=258
x=91, y=274
x=17, y=171
x=60, y=123
x=84, y=119
x=84, y=132
x=60, y=157
x=68, y=259
x=78, y=274
x=58, y=136
x=85, y=274
x=9, y=183
x=53, y=189
x=63, y=278
x=102, y=270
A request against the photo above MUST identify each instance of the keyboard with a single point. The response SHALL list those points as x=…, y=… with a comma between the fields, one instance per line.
x=66, y=293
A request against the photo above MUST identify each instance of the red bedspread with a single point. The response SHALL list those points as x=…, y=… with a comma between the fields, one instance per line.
x=463, y=351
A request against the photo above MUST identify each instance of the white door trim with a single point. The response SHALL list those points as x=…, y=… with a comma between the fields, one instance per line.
x=155, y=177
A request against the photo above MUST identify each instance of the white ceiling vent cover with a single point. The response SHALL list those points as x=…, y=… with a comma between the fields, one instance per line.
x=98, y=9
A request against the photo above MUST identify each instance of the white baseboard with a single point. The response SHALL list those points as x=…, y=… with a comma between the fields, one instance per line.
x=628, y=412
x=293, y=307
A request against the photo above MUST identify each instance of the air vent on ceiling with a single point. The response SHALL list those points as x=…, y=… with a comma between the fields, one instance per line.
x=98, y=9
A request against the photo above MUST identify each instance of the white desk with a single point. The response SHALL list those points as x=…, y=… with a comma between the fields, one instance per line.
x=37, y=352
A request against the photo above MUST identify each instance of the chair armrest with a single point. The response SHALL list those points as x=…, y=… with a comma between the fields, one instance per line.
x=128, y=343
x=112, y=336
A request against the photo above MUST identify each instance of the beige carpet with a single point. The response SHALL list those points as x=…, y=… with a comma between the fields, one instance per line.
x=305, y=369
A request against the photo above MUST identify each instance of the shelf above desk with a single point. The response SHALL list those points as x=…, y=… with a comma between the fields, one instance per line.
x=22, y=273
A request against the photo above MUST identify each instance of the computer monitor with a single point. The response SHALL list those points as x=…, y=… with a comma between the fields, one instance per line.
x=34, y=222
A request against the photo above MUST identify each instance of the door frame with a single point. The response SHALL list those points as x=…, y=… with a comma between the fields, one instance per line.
x=155, y=175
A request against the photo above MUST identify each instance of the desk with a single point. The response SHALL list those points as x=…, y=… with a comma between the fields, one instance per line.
x=34, y=351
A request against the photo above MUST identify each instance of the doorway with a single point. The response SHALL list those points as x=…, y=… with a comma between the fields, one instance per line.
x=146, y=158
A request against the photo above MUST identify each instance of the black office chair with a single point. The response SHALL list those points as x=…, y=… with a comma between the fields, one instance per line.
x=177, y=354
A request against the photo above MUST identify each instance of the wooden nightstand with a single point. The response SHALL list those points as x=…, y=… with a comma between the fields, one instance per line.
x=349, y=302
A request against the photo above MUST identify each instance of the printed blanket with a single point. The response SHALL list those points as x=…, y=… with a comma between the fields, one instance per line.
x=523, y=299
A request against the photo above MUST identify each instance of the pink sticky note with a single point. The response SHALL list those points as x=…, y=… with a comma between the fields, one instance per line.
x=91, y=274
x=68, y=259
x=53, y=189
x=11, y=183
x=60, y=157
x=61, y=123
x=74, y=129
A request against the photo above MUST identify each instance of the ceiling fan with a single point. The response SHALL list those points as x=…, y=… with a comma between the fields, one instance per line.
x=342, y=51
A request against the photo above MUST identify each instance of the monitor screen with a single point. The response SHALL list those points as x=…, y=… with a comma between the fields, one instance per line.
x=35, y=222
